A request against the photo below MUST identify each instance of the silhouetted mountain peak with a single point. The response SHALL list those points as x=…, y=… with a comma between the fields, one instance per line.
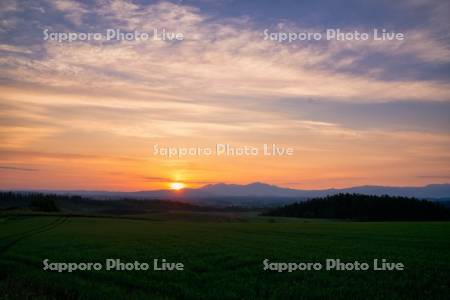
x=256, y=189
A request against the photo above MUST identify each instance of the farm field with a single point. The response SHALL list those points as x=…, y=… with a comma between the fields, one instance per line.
x=222, y=257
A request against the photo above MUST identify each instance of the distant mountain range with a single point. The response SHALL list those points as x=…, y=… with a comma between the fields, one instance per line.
x=262, y=194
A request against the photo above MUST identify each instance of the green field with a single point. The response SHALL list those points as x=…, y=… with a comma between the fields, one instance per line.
x=222, y=258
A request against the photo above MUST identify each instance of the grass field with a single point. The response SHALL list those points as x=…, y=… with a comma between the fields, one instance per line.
x=222, y=258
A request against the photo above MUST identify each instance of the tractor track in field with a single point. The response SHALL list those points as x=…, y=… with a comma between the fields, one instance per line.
x=16, y=238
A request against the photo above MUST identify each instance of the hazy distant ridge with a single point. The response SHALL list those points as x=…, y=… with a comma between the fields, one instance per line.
x=259, y=190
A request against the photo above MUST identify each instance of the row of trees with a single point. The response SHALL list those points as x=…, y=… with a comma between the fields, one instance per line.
x=34, y=201
x=364, y=207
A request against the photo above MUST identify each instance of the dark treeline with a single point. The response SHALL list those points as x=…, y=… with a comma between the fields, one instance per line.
x=72, y=203
x=364, y=207
x=76, y=204
x=33, y=201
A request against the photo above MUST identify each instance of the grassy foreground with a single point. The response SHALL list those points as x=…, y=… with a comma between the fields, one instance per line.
x=223, y=260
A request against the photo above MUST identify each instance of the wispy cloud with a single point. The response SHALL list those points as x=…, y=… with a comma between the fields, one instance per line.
x=18, y=169
x=73, y=10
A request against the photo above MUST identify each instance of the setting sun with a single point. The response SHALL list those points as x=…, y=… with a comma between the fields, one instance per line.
x=176, y=185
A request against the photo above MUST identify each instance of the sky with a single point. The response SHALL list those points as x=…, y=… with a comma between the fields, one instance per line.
x=88, y=114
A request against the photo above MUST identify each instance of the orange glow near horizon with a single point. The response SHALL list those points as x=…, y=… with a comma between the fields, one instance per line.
x=176, y=186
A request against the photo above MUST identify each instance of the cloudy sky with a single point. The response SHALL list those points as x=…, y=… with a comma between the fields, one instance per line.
x=87, y=114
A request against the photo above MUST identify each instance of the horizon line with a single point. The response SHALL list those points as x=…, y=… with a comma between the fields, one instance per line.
x=188, y=188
